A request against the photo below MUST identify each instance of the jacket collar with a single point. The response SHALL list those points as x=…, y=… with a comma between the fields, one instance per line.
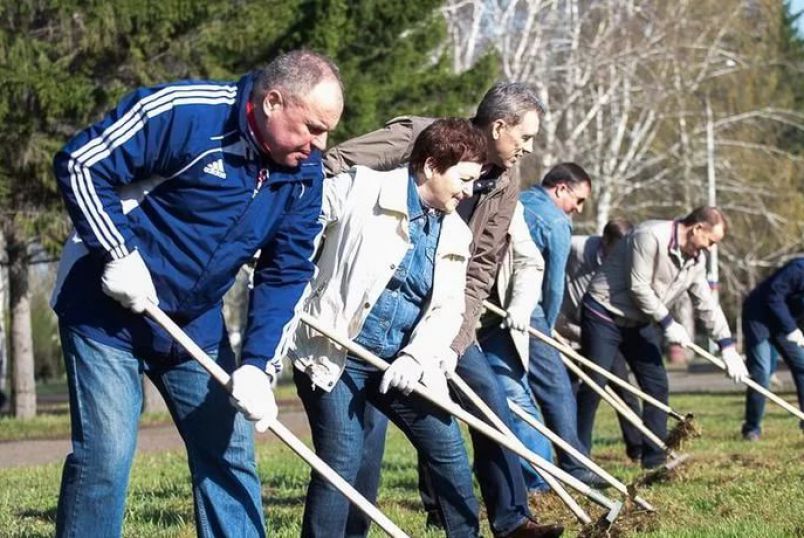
x=674, y=250
x=455, y=236
x=394, y=194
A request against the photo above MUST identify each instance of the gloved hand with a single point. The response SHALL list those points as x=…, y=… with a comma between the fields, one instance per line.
x=252, y=394
x=675, y=333
x=735, y=366
x=128, y=281
x=797, y=337
x=403, y=374
x=517, y=319
x=448, y=362
x=436, y=382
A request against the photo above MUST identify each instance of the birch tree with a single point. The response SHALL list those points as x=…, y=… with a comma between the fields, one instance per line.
x=627, y=83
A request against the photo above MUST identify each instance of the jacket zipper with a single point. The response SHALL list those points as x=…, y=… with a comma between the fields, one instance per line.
x=262, y=177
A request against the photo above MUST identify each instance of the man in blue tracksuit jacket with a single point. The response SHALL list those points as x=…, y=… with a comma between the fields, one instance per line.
x=171, y=193
x=773, y=314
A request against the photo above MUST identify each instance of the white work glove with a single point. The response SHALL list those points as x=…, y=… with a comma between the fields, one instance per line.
x=128, y=281
x=252, y=394
x=516, y=319
x=675, y=333
x=403, y=374
x=735, y=366
x=448, y=362
x=797, y=337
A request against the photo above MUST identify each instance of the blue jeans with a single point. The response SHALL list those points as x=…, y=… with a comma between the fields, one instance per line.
x=105, y=403
x=506, y=364
x=601, y=341
x=760, y=365
x=498, y=470
x=337, y=421
x=552, y=388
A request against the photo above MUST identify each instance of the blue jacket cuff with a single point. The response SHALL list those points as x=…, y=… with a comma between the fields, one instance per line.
x=666, y=321
x=261, y=364
x=725, y=342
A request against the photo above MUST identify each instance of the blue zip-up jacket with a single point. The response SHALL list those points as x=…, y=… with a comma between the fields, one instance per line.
x=205, y=200
x=551, y=231
x=775, y=305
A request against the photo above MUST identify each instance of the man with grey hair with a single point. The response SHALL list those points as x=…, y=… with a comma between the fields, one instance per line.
x=509, y=115
x=171, y=193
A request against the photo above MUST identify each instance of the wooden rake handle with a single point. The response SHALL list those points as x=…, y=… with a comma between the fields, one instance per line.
x=277, y=427
x=625, y=412
x=551, y=481
x=748, y=382
x=472, y=421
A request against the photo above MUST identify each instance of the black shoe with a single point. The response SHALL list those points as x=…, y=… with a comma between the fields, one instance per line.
x=591, y=479
x=433, y=520
x=634, y=453
x=649, y=465
x=531, y=529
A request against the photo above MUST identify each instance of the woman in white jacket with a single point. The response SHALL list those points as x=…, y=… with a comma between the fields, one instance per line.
x=391, y=277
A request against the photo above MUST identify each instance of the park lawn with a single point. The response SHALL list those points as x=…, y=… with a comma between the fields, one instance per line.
x=730, y=488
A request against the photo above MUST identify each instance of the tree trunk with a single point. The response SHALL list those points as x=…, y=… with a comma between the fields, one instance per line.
x=23, y=390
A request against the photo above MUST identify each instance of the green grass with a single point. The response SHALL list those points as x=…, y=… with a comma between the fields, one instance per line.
x=729, y=489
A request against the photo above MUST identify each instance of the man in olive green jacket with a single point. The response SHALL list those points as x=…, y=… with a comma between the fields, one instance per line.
x=509, y=116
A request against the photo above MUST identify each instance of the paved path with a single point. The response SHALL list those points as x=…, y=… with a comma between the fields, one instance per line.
x=163, y=438
x=151, y=439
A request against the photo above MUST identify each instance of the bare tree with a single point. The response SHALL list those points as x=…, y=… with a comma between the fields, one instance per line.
x=626, y=83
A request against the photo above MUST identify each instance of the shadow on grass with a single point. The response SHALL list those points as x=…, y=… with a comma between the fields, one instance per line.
x=279, y=501
x=45, y=516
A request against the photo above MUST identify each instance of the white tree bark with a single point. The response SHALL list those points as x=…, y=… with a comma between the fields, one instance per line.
x=23, y=393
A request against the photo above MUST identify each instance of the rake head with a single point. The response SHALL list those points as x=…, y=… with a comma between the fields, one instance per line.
x=665, y=473
x=686, y=429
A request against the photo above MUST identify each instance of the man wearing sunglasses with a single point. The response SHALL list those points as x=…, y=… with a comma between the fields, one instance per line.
x=548, y=210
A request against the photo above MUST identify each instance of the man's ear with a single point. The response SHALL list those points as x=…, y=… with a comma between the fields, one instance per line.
x=497, y=128
x=272, y=102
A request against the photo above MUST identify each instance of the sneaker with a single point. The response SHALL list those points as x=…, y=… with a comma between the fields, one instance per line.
x=751, y=437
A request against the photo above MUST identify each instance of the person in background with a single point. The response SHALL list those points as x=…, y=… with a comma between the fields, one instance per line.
x=548, y=210
x=586, y=256
x=772, y=319
x=630, y=296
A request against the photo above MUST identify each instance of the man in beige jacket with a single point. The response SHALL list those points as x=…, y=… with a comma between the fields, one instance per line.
x=630, y=296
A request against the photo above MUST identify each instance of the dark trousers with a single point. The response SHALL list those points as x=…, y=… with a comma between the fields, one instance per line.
x=631, y=435
x=601, y=341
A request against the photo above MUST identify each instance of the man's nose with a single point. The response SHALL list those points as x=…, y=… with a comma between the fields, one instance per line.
x=320, y=141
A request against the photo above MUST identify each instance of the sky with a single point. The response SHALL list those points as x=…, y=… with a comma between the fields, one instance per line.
x=798, y=5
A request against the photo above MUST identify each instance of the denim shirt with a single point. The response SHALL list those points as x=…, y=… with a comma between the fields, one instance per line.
x=551, y=231
x=392, y=318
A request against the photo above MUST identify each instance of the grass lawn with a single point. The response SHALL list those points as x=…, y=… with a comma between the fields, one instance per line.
x=729, y=489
